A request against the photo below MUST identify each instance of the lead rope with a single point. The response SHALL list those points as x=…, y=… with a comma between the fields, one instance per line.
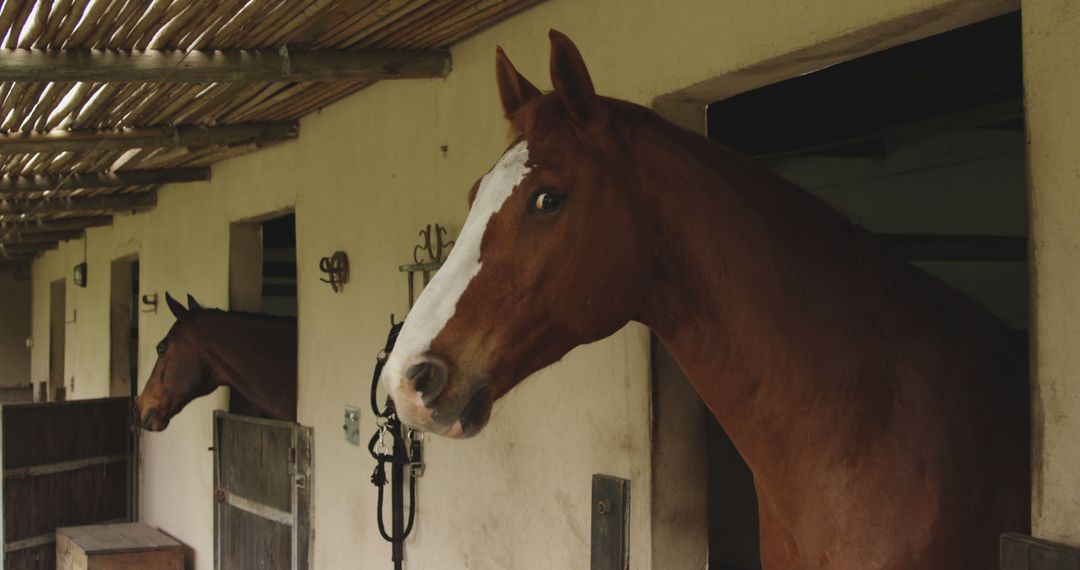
x=395, y=453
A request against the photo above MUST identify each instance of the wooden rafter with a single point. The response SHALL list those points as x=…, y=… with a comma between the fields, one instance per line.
x=166, y=137
x=111, y=203
x=12, y=251
x=917, y=247
x=44, y=237
x=152, y=177
x=58, y=224
x=232, y=66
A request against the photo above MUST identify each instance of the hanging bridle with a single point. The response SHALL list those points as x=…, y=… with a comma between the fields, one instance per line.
x=396, y=454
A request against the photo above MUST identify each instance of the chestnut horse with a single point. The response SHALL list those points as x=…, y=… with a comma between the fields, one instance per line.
x=253, y=354
x=883, y=414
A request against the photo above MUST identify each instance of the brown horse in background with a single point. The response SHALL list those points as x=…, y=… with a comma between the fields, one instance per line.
x=253, y=354
x=884, y=415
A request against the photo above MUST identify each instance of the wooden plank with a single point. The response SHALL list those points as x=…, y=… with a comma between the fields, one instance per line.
x=73, y=487
x=279, y=290
x=166, y=137
x=1020, y=552
x=262, y=469
x=256, y=508
x=610, y=523
x=285, y=269
x=925, y=247
x=118, y=537
x=115, y=203
x=220, y=66
x=39, y=470
x=152, y=177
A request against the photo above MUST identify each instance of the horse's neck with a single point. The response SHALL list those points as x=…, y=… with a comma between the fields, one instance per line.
x=758, y=288
x=255, y=358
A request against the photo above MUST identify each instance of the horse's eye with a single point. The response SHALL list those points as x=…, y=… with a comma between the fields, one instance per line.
x=161, y=348
x=546, y=201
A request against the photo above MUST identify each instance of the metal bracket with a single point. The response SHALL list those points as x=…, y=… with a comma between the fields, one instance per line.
x=610, y=523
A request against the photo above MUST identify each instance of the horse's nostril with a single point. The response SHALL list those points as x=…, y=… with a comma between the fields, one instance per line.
x=148, y=420
x=429, y=378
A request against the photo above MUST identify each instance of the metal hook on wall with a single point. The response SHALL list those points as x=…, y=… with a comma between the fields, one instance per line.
x=431, y=243
x=336, y=267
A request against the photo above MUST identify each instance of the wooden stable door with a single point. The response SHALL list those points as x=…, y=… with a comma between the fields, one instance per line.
x=262, y=513
x=64, y=464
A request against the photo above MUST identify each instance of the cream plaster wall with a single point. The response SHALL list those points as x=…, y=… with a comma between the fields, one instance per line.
x=14, y=329
x=1051, y=68
x=365, y=175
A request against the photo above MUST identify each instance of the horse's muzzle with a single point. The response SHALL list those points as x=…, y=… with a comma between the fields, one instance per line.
x=151, y=422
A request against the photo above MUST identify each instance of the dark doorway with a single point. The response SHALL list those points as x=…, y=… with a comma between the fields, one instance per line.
x=57, y=339
x=124, y=328
x=923, y=144
x=262, y=276
x=279, y=266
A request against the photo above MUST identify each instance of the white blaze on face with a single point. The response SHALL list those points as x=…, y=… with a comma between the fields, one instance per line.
x=439, y=299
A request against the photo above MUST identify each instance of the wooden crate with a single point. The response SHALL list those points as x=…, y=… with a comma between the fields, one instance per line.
x=124, y=546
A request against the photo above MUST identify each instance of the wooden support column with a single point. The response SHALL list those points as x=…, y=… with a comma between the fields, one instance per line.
x=155, y=177
x=238, y=66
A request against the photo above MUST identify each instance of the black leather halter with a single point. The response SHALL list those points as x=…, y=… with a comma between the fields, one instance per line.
x=397, y=454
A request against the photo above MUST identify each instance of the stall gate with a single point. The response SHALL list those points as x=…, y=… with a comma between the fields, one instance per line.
x=262, y=487
x=64, y=464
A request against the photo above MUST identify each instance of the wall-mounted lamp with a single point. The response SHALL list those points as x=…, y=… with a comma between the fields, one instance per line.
x=150, y=301
x=79, y=274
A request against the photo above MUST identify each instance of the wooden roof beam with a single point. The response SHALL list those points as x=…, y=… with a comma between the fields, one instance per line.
x=152, y=177
x=14, y=265
x=166, y=137
x=112, y=203
x=58, y=224
x=236, y=66
x=44, y=237
x=21, y=250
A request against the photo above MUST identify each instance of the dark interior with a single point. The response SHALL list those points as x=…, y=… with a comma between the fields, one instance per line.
x=967, y=80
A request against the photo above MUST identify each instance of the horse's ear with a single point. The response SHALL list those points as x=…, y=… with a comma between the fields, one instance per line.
x=570, y=77
x=192, y=304
x=177, y=309
x=514, y=89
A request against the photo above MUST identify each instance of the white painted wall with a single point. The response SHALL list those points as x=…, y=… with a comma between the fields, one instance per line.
x=1051, y=69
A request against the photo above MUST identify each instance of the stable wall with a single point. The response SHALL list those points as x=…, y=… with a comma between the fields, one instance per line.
x=364, y=176
x=14, y=330
x=1051, y=69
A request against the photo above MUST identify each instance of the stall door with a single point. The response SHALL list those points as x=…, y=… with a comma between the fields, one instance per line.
x=262, y=513
x=64, y=464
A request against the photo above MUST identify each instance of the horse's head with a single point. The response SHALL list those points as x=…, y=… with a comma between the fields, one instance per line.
x=180, y=374
x=552, y=255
